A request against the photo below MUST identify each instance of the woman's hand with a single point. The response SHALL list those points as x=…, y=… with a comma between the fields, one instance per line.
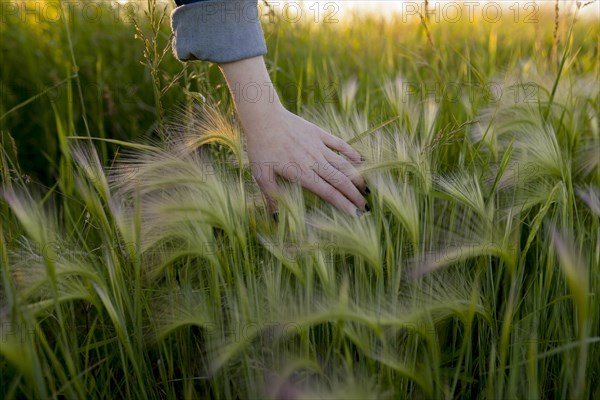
x=280, y=143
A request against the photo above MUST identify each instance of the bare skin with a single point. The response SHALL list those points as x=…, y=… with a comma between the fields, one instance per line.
x=280, y=143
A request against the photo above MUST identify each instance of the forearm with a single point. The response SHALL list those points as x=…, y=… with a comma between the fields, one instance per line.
x=252, y=90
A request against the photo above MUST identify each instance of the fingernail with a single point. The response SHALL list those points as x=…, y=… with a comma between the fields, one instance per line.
x=367, y=207
x=359, y=212
x=276, y=216
x=362, y=158
x=367, y=190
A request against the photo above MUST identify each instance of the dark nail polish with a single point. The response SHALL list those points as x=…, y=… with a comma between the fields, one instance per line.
x=359, y=212
x=276, y=216
x=367, y=190
x=367, y=207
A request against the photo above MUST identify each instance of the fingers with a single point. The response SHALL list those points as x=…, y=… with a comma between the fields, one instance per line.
x=326, y=181
x=335, y=143
x=342, y=183
x=328, y=193
x=329, y=175
x=344, y=166
x=268, y=186
x=270, y=190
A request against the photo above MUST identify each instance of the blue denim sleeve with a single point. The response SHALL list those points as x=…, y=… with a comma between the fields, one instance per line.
x=217, y=30
x=182, y=2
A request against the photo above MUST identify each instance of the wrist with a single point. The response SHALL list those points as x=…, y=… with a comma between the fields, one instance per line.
x=257, y=117
x=253, y=92
x=256, y=98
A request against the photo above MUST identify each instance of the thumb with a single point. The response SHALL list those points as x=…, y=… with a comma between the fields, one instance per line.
x=270, y=190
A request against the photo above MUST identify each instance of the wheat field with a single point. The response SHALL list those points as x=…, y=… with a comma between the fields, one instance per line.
x=138, y=259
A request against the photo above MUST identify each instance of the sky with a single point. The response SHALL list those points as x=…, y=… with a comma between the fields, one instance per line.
x=336, y=8
x=523, y=7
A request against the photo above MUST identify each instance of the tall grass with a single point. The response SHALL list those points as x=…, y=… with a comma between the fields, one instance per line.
x=151, y=268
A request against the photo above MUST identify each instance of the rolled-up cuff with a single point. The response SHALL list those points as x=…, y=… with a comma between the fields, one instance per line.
x=217, y=30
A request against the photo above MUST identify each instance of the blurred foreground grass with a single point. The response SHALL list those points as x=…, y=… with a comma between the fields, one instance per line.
x=148, y=268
